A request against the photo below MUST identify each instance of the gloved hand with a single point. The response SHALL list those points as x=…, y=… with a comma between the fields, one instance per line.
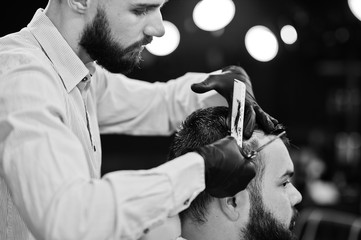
x=223, y=84
x=227, y=172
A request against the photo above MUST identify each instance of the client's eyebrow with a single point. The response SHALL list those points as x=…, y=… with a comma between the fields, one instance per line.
x=288, y=174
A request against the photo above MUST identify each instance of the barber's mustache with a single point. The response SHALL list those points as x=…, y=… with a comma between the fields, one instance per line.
x=146, y=40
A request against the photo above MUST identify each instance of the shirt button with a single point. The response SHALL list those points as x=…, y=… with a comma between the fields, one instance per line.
x=186, y=202
x=146, y=231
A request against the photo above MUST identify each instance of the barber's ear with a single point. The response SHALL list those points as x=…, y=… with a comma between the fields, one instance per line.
x=79, y=5
x=236, y=206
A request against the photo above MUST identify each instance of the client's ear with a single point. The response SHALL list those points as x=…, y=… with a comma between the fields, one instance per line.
x=235, y=207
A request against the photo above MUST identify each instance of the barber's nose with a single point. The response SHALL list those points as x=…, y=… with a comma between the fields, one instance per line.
x=155, y=27
x=295, y=197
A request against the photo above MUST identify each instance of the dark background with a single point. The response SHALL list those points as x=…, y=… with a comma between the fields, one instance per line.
x=312, y=86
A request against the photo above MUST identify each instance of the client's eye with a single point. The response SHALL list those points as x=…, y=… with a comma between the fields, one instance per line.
x=285, y=183
x=141, y=11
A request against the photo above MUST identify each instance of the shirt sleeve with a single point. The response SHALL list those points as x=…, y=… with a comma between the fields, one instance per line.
x=137, y=107
x=45, y=168
x=162, y=192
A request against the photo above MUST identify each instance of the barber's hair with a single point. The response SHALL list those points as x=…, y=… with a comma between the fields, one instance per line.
x=201, y=128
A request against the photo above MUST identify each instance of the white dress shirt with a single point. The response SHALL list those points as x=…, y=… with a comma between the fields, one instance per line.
x=52, y=110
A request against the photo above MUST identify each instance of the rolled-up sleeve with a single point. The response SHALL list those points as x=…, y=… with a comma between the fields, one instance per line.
x=141, y=108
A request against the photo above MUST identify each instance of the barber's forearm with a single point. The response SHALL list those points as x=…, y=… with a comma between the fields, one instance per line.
x=156, y=109
x=146, y=198
x=122, y=205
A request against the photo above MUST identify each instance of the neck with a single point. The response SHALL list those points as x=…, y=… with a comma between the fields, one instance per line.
x=195, y=231
x=70, y=24
x=216, y=228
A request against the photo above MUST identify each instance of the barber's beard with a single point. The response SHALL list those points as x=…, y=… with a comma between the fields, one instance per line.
x=264, y=226
x=101, y=47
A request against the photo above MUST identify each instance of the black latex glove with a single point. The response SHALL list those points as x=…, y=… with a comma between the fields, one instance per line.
x=227, y=172
x=223, y=84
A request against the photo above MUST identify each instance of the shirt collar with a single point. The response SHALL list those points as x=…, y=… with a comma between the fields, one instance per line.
x=69, y=66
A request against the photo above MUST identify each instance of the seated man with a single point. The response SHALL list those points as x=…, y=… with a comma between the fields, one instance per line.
x=264, y=210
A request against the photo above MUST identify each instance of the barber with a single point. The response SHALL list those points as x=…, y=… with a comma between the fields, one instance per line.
x=61, y=86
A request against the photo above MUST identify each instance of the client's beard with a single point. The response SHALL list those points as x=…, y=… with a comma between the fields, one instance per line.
x=97, y=41
x=263, y=225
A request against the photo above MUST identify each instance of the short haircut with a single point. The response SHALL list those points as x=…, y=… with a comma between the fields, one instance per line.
x=201, y=128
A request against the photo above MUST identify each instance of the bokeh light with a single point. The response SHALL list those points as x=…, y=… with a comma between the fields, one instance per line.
x=289, y=34
x=261, y=43
x=355, y=6
x=165, y=45
x=213, y=15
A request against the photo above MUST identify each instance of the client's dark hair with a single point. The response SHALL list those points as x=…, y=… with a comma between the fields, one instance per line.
x=201, y=128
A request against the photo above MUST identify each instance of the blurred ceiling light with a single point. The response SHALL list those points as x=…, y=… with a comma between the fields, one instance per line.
x=355, y=6
x=289, y=34
x=213, y=15
x=261, y=43
x=161, y=46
